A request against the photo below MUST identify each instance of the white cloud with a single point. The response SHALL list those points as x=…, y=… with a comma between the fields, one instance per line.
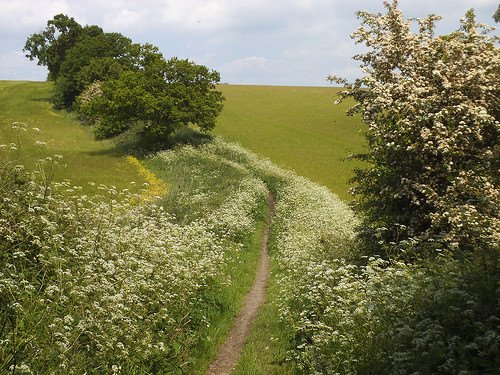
x=259, y=41
x=215, y=15
x=125, y=20
x=29, y=15
x=251, y=62
x=241, y=70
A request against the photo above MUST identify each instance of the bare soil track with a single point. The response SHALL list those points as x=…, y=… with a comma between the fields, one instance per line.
x=231, y=349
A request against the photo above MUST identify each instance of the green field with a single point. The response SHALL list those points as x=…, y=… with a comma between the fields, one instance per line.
x=299, y=128
x=296, y=127
x=84, y=159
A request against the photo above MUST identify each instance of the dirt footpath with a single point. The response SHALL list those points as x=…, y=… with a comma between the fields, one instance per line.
x=231, y=349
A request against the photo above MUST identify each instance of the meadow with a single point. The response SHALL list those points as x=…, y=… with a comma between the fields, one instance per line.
x=109, y=283
x=98, y=271
x=298, y=128
x=84, y=159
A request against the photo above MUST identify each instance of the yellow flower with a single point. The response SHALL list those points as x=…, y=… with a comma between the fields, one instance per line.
x=155, y=187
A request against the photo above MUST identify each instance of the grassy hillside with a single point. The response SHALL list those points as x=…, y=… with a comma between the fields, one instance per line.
x=84, y=159
x=93, y=283
x=173, y=284
x=298, y=128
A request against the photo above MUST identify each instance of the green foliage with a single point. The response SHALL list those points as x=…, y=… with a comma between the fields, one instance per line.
x=431, y=184
x=128, y=85
x=431, y=105
x=50, y=46
x=77, y=56
x=345, y=314
x=99, y=285
x=93, y=58
x=160, y=96
x=392, y=317
x=84, y=159
x=131, y=278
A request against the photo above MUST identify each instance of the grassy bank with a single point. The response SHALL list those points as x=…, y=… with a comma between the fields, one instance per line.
x=103, y=285
x=83, y=160
x=206, y=239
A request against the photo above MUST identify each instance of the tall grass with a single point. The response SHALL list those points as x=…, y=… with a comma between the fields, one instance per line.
x=103, y=285
x=340, y=313
x=309, y=218
x=346, y=314
x=99, y=284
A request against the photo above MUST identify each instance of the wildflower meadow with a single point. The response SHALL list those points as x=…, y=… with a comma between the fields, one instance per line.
x=115, y=283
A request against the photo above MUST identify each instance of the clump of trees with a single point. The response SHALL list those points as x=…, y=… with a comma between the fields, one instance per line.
x=157, y=94
x=431, y=105
x=116, y=85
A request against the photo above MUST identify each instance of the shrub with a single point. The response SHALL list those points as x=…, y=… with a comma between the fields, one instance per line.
x=431, y=104
x=428, y=202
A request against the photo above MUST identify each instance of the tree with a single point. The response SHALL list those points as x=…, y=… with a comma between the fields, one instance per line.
x=431, y=105
x=157, y=95
x=50, y=45
x=96, y=57
x=120, y=85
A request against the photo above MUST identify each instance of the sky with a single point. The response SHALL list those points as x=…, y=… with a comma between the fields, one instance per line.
x=263, y=42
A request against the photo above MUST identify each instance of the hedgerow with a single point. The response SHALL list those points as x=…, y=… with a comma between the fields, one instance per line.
x=430, y=104
x=427, y=202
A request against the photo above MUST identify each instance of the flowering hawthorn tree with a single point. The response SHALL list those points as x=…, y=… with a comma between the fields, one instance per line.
x=431, y=105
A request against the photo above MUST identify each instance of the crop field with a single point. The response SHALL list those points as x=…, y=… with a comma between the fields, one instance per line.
x=84, y=159
x=298, y=128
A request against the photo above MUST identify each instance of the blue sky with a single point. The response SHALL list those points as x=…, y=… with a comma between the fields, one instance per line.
x=275, y=42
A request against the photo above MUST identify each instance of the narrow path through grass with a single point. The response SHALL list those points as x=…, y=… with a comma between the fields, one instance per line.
x=231, y=349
